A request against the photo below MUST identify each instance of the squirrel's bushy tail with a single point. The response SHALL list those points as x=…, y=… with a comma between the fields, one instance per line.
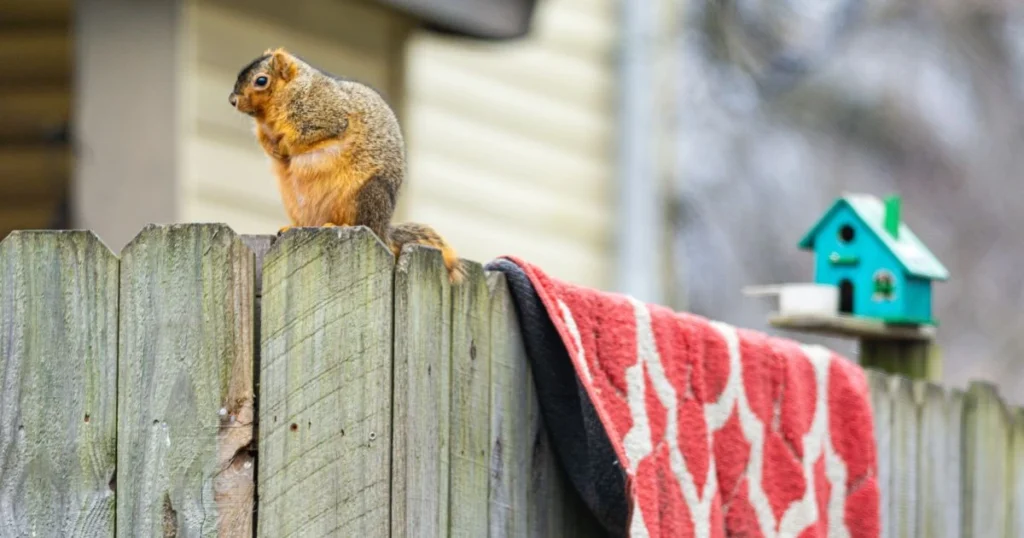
x=410, y=232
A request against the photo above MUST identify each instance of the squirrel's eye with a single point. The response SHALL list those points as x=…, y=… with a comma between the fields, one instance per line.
x=261, y=81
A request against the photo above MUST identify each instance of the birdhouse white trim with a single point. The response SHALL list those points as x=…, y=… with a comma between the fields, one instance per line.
x=800, y=298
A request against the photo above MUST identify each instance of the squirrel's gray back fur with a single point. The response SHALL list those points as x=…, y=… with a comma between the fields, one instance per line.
x=321, y=99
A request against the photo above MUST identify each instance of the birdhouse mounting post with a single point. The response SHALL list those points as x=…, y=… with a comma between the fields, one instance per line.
x=905, y=350
x=915, y=359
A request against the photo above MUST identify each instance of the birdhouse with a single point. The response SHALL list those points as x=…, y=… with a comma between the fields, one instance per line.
x=880, y=268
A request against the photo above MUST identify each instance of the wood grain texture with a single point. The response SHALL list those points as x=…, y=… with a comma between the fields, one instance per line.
x=916, y=360
x=185, y=393
x=850, y=326
x=938, y=462
x=986, y=473
x=470, y=406
x=58, y=366
x=954, y=460
x=259, y=245
x=903, y=457
x=325, y=385
x=1015, y=496
x=882, y=409
x=422, y=390
x=510, y=440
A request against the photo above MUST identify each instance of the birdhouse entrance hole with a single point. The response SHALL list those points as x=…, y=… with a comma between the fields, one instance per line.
x=846, y=296
x=846, y=233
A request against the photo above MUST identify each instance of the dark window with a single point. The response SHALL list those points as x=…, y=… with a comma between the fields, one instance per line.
x=846, y=233
x=846, y=296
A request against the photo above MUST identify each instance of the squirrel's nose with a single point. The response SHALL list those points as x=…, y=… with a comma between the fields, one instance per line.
x=233, y=100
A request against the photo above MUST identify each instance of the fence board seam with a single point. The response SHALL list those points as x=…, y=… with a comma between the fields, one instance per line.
x=394, y=376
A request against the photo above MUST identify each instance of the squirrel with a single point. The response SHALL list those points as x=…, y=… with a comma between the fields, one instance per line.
x=336, y=148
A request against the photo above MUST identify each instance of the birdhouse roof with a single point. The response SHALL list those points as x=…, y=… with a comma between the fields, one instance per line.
x=911, y=253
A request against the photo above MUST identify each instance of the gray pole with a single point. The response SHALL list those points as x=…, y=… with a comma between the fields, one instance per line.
x=639, y=223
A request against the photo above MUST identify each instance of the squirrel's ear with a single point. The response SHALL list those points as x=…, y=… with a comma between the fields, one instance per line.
x=283, y=65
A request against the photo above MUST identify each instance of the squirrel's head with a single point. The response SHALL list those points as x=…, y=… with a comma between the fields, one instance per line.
x=258, y=81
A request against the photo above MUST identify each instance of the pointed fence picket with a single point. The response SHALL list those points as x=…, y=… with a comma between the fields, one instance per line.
x=208, y=384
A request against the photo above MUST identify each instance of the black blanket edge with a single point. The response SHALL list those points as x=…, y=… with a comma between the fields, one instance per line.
x=581, y=444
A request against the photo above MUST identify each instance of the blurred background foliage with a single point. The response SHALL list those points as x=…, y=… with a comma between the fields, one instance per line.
x=787, y=104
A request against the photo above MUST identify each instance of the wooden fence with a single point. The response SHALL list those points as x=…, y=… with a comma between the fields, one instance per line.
x=389, y=403
x=950, y=462
x=128, y=400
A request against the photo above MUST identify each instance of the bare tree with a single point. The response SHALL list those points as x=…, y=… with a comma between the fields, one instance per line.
x=788, y=104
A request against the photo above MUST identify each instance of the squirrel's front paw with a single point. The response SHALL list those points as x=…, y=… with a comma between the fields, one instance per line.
x=284, y=229
x=329, y=225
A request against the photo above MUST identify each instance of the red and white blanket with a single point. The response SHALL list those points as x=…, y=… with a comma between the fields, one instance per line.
x=671, y=425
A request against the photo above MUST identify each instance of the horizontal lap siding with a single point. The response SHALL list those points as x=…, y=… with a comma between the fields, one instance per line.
x=226, y=176
x=511, y=147
x=35, y=98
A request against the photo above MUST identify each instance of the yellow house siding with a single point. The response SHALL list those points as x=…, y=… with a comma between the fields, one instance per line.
x=226, y=177
x=511, y=145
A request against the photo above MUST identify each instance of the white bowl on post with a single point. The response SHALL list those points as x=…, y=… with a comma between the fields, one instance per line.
x=801, y=299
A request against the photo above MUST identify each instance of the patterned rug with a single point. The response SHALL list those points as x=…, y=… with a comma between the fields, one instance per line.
x=672, y=425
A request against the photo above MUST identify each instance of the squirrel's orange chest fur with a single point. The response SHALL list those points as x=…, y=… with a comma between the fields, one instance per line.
x=335, y=147
x=319, y=184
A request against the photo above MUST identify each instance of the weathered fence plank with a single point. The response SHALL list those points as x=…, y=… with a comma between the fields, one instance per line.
x=325, y=385
x=470, y=407
x=185, y=393
x=427, y=427
x=58, y=366
x=985, y=459
x=938, y=461
x=903, y=458
x=422, y=392
x=510, y=446
x=954, y=460
x=1015, y=527
x=916, y=359
x=881, y=404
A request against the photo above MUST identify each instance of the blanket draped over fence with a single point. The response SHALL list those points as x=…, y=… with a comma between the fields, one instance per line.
x=672, y=425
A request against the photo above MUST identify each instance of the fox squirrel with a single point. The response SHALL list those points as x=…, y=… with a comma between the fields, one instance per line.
x=336, y=149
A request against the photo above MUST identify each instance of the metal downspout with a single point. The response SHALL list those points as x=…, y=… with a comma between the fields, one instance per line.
x=640, y=214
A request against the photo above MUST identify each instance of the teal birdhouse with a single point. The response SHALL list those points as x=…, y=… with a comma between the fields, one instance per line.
x=881, y=269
